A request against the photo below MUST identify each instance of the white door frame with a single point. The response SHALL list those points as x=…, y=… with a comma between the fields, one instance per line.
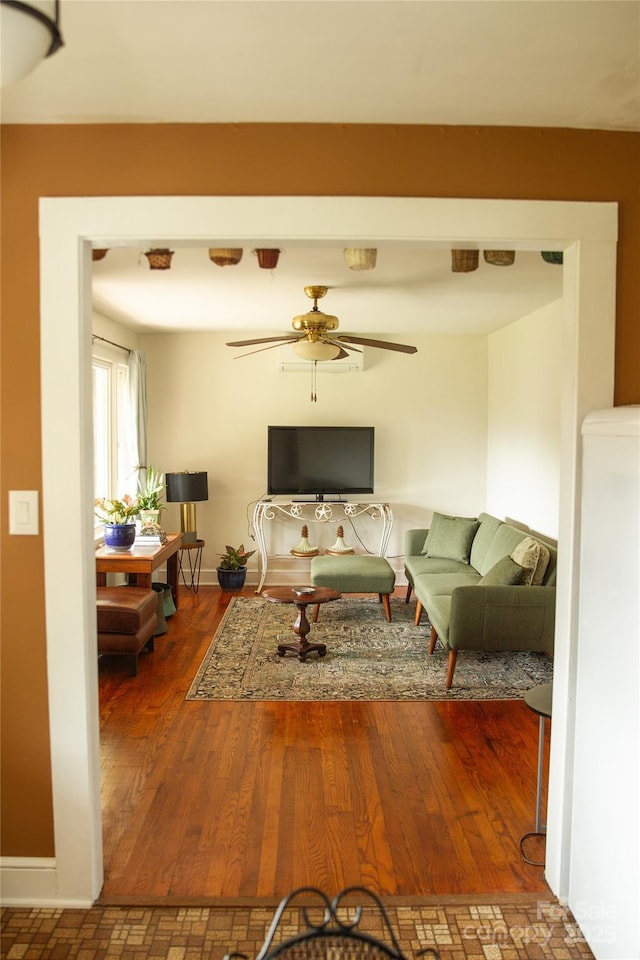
x=587, y=232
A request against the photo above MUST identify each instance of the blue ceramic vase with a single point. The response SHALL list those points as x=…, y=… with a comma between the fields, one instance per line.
x=119, y=536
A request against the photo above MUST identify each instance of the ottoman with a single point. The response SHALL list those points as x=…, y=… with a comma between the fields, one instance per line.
x=355, y=573
x=127, y=618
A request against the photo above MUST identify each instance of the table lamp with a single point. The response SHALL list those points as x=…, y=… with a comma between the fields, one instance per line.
x=186, y=488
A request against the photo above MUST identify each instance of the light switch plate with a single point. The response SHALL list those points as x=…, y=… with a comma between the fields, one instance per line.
x=23, y=512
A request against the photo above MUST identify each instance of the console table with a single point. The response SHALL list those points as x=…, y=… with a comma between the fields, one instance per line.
x=140, y=562
x=312, y=511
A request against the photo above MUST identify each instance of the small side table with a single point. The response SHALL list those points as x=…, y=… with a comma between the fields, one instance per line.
x=194, y=562
x=539, y=700
x=301, y=627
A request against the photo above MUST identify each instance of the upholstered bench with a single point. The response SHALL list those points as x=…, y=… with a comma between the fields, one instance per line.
x=127, y=618
x=355, y=573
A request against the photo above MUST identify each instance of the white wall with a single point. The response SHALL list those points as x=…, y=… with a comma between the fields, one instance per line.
x=111, y=330
x=604, y=886
x=524, y=420
x=467, y=424
x=210, y=411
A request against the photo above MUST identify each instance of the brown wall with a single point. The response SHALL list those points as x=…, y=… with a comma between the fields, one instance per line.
x=516, y=163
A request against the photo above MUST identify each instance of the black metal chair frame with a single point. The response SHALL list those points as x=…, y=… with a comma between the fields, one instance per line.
x=333, y=937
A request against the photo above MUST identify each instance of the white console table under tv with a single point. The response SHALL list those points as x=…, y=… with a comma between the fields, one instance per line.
x=314, y=511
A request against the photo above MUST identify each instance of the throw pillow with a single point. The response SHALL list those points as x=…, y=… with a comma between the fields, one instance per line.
x=505, y=573
x=450, y=538
x=534, y=557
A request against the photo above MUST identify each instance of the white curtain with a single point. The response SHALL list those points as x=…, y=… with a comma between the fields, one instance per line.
x=138, y=407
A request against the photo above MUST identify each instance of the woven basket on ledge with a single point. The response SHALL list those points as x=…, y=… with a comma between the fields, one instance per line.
x=267, y=257
x=225, y=256
x=553, y=256
x=360, y=258
x=159, y=259
x=500, y=258
x=464, y=261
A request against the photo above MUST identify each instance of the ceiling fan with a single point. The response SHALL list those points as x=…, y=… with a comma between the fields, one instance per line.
x=315, y=340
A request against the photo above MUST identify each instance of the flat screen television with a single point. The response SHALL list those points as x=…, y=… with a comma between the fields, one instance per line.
x=320, y=461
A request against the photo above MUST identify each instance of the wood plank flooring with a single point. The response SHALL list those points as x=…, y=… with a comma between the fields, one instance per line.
x=241, y=802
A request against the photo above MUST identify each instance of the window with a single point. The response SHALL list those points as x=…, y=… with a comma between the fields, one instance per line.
x=114, y=459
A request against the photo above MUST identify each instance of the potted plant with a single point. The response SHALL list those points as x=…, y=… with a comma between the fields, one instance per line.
x=150, y=487
x=118, y=518
x=232, y=570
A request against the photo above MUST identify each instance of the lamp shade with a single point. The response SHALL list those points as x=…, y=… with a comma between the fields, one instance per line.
x=186, y=487
x=316, y=350
x=30, y=32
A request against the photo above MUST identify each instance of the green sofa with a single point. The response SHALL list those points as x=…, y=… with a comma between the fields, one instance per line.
x=477, y=596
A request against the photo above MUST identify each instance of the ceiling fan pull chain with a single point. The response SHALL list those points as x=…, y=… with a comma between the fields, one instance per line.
x=314, y=396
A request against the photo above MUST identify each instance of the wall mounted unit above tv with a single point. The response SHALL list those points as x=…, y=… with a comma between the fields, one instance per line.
x=290, y=362
x=320, y=462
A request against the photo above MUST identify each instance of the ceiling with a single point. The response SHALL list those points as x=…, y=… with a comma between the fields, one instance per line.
x=411, y=290
x=551, y=63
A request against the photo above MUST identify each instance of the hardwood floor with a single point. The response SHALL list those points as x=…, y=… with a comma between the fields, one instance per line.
x=240, y=802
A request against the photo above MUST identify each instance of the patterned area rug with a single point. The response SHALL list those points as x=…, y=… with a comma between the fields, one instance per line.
x=367, y=658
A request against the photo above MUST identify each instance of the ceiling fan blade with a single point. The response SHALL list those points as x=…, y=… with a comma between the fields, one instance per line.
x=249, y=343
x=343, y=347
x=262, y=349
x=382, y=344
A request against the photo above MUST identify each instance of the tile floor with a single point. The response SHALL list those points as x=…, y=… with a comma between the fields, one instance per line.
x=516, y=928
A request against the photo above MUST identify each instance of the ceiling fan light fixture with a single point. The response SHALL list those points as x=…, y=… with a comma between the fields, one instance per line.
x=29, y=33
x=315, y=345
x=360, y=258
x=225, y=256
x=316, y=351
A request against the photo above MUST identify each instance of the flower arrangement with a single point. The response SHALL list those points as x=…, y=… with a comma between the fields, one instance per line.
x=116, y=511
x=234, y=558
x=150, y=489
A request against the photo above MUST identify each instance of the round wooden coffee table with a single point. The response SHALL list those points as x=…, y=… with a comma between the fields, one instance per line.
x=302, y=597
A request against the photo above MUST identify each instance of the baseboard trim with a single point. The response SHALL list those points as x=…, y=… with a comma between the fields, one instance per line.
x=33, y=882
